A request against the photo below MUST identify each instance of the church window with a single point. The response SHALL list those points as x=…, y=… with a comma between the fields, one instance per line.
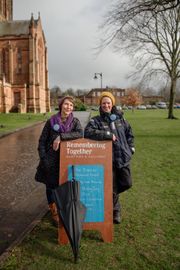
x=2, y=7
x=19, y=60
x=4, y=62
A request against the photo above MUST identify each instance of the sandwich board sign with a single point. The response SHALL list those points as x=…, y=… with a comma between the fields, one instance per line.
x=92, y=162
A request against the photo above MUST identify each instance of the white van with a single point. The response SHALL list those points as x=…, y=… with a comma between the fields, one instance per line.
x=161, y=105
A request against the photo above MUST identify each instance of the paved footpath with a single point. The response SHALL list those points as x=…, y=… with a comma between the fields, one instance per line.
x=22, y=200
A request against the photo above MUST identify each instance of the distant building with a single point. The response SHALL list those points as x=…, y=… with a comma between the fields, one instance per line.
x=23, y=63
x=92, y=98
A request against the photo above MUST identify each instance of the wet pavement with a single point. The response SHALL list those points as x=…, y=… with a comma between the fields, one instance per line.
x=22, y=200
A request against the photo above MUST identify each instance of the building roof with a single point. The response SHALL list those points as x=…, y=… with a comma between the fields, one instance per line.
x=104, y=89
x=14, y=28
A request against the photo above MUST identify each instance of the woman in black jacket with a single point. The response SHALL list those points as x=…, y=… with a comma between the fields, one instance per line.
x=60, y=127
x=110, y=125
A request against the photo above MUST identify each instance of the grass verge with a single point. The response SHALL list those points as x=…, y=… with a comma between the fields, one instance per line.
x=12, y=121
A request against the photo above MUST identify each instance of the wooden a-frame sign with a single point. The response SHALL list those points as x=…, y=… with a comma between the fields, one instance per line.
x=93, y=168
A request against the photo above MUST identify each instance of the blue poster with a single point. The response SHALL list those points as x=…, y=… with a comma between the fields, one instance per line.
x=91, y=179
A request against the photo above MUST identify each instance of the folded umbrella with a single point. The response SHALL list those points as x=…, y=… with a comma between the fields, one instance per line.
x=71, y=211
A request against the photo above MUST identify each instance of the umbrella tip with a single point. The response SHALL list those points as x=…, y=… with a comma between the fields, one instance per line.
x=76, y=259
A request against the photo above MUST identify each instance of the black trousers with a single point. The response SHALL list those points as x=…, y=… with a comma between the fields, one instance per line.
x=116, y=203
x=122, y=181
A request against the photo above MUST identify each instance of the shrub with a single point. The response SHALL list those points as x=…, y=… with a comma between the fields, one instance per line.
x=79, y=105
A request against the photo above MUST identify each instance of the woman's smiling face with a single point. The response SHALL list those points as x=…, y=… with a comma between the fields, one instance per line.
x=67, y=107
x=106, y=104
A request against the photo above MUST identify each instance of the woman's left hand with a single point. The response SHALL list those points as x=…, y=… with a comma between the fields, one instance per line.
x=56, y=143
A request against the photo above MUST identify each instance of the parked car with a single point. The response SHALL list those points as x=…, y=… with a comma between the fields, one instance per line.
x=141, y=107
x=177, y=106
x=125, y=108
x=148, y=106
x=161, y=105
x=153, y=107
x=119, y=107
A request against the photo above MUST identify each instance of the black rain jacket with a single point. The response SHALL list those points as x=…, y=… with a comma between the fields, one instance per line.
x=48, y=168
x=100, y=128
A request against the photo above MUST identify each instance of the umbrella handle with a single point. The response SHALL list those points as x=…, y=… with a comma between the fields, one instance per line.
x=73, y=173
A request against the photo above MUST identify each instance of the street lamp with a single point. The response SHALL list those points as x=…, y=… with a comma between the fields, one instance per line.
x=95, y=77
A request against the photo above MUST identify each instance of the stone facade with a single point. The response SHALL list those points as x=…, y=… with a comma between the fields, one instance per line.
x=6, y=10
x=23, y=64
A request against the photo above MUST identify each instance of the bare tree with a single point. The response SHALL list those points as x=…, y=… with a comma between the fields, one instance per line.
x=130, y=9
x=81, y=92
x=55, y=92
x=69, y=92
x=149, y=32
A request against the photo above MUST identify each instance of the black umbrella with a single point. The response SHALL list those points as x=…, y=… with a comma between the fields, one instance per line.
x=71, y=211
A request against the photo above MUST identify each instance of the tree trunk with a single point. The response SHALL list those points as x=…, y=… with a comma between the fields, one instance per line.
x=172, y=98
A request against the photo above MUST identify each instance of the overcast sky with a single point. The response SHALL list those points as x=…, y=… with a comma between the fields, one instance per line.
x=71, y=31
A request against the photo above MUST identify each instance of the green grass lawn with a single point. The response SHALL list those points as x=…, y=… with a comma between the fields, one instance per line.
x=13, y=121
x=148, y=237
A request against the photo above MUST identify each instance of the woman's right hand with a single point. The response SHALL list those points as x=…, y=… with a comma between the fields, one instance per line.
x=56, y=143
x=114, y=138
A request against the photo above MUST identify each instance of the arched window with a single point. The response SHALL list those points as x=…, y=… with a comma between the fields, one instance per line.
x=4, y=61
x=5, y=9
x=19, y=60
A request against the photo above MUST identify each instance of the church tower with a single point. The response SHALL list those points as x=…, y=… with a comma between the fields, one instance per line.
x=23, y=64
x=6, y=10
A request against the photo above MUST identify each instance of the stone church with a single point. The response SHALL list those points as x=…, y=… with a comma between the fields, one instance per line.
x=23, y=64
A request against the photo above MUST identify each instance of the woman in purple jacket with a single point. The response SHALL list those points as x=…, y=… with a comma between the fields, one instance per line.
x=60, y=127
